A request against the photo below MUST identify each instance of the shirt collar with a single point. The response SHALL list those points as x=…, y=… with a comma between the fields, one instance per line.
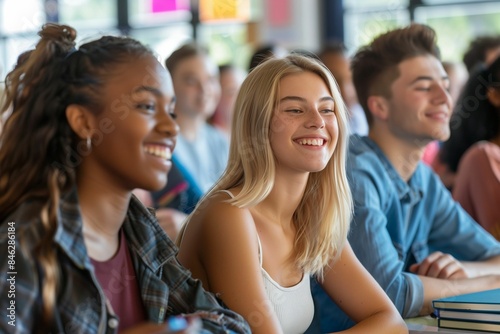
x=69, y=234
x=410, y=191
x=146, y=237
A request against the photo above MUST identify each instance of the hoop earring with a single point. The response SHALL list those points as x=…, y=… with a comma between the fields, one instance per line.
x=89, y=144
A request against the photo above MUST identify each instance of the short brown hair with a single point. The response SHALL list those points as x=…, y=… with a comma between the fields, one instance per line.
x=185, y=51
x=374, y=66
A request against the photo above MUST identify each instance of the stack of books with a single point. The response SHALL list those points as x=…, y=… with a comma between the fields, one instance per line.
x=478, y=311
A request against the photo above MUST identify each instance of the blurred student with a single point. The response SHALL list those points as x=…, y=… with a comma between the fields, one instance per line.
x=282, y=208
x=230, y=77
x=89, y=257
x=203, y=149
x=477, y=134
x=458, y=76
x=334, y=56
x=407, y=231
x=482, y=51
x=265, y=52
x=472, y=101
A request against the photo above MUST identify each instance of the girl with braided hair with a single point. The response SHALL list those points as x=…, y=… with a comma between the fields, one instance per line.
x=87, y=126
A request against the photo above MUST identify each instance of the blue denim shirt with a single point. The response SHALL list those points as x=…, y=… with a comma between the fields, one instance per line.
x=397, y=224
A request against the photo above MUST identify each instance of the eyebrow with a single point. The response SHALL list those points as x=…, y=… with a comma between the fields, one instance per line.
x=150, y=89
x=154, y=91
x=428, y=78
x=301, y=99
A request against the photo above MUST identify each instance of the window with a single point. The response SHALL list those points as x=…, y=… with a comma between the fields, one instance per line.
x=88, y=14
x=165, y=40
x=158, y=12
x=227, y=43
x=21, y=17
x=362, y=27
x=457, y=25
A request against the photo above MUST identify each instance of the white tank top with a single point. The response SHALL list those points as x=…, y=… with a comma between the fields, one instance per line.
x=293, y=305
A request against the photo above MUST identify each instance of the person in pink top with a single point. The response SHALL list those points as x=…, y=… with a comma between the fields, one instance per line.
x=477, y=184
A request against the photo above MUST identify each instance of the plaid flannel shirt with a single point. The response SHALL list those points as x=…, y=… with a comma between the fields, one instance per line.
x=166, y=287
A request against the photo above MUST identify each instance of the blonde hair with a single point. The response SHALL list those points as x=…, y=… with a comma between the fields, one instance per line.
x=323, y=216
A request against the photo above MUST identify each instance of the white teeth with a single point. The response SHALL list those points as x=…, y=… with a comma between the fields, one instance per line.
x=312, y=142
x=159, y=151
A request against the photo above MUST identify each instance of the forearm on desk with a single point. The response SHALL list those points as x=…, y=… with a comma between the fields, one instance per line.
x=435, y=288
x=482, y=268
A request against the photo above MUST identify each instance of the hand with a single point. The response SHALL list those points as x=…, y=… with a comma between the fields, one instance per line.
x=193, y=327
x=171, y=221
x=440, y=265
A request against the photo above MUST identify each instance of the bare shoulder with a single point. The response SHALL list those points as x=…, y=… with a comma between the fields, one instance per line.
x=219, y=235
x=216, y=220
x=219, y=215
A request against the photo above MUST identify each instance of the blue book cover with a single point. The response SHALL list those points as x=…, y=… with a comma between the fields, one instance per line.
x=483, y=301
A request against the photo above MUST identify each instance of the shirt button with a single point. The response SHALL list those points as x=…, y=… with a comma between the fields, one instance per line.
x=113, y=323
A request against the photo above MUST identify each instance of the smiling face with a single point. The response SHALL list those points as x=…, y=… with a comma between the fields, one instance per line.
x=304, y=129
x=419, y=108
x=135, y=134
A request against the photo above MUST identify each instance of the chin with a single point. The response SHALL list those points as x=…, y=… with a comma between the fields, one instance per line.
x=317, y=169
x=439, y=134
x=155, y=185
x=444, y=136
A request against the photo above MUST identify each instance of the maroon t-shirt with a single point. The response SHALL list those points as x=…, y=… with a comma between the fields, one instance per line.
x=119, y=282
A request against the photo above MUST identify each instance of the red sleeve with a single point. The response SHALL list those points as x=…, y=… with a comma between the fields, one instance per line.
x=477, y=187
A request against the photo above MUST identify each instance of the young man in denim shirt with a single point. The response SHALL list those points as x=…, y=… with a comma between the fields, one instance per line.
x=409, y=233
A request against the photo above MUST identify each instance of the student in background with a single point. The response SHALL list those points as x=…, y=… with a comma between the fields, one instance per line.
x=477, y=134
x=334, y=56
x=281, y=210
x=89, y=257
x=407, y=231
x=265, y=52
x=458, y=76
x=473, y=102
x=482, y=51
x=204, y=149
x=230, y=78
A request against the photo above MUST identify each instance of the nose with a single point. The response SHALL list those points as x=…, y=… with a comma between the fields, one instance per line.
x=442, y=95
x=166, y=124
x=203, y=87
x=315, y=119
x=210, y=86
